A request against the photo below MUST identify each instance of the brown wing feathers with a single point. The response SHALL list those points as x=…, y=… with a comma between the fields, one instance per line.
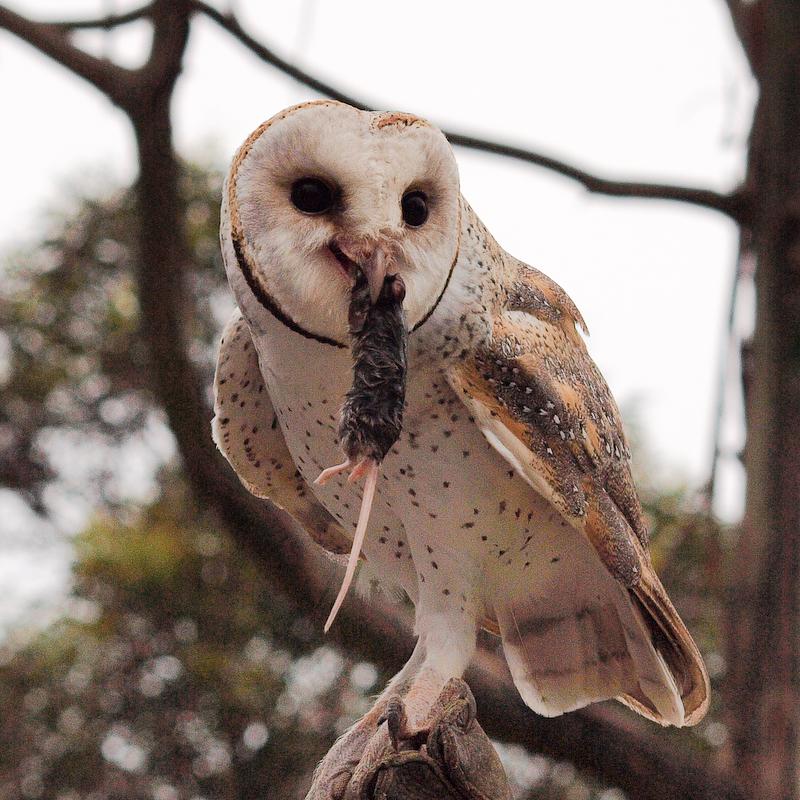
x=535, y=388
x=533, y=292
x=533, y=381
x=673, y=642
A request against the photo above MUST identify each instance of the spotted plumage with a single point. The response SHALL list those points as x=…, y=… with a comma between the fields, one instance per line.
x=507, y=501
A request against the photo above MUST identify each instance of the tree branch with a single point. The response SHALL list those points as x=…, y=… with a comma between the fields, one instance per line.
x=136, y=91
x=170, y=36
x=114, y=81
x=733, y=205
x=107, y=22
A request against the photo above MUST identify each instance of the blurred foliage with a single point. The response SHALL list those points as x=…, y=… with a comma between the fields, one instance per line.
x=176, y=671
x=73, y=365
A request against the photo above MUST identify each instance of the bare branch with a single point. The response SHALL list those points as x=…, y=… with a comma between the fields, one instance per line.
x=231, y=24
x=170, y=36
x=133, y=90
x=733, y=205
x=107, y=22
x=49, y=39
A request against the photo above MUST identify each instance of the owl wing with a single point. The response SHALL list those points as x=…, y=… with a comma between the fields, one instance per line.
x=245, y=428
x=540, y=400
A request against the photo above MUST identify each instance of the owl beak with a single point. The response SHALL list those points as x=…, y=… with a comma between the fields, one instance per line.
x=374, y=267
x=372, y=261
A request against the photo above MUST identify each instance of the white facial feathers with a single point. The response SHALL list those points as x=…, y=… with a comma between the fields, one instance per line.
x=370, y=161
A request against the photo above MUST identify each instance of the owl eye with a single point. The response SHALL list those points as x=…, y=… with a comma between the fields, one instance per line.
x=415, y=208
x=312, y=196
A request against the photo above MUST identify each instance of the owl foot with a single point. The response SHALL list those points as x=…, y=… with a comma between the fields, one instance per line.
x=449, y=757
x=397, y=725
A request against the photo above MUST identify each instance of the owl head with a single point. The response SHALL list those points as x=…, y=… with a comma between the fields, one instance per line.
x=323, y=186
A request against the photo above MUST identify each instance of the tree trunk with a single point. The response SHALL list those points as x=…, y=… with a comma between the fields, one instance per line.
x=764, y=641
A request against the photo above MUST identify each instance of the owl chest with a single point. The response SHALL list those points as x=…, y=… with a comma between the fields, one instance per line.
x=444, y=492
x=307, y=383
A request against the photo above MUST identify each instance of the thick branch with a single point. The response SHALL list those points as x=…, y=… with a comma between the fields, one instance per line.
x=114, y=81
x=110, y=79
x=764, y=625
x=136, y=91
x=170, y=36
x=733, y=204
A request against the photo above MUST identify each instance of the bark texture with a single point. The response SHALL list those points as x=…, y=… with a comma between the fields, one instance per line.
x=764, y=638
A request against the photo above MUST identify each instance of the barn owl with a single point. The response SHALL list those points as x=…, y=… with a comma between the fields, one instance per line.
x=507, y=503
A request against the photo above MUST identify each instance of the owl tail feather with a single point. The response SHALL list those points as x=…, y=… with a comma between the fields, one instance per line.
x=370, y=468
x=600, y=651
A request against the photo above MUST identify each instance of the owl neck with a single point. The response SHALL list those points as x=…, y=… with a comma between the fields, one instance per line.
x=462, y=317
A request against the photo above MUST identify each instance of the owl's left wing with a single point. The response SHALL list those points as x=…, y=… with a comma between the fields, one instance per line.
x=540, y=400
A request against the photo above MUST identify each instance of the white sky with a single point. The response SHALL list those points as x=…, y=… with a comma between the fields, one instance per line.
x=652, y=90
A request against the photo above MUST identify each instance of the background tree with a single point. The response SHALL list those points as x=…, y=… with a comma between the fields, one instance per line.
x=599, y=739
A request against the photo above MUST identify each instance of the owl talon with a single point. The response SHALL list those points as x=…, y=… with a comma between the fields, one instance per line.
x=397, y=725
x=396, y=720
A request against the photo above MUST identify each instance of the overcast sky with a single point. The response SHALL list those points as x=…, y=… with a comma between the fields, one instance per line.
x=654, y=90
